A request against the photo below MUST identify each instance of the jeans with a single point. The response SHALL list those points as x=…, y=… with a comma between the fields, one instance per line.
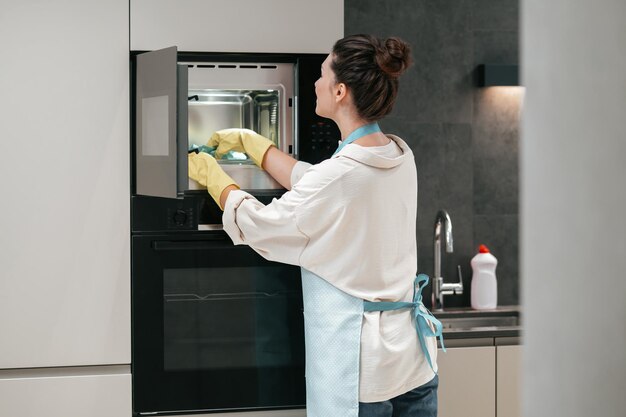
x=420, y=402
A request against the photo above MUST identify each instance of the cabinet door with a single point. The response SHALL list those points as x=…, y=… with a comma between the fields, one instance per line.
x=289, y=26
x=71, y=396
x=65, y=183
x=508, y=377
x=467, y=382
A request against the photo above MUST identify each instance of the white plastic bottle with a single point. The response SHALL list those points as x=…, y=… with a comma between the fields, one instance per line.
x=484, y=285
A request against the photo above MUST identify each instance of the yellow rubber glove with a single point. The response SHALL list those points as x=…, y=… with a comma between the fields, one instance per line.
x=205, y=169
x=240, y=140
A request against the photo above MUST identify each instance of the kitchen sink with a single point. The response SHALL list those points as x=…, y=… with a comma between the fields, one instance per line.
x=473, y=322
x=478, y=319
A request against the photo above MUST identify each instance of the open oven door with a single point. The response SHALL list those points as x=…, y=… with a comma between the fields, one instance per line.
x=161, y=124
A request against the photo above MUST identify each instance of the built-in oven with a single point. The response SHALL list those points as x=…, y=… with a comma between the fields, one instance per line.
x=215, y=327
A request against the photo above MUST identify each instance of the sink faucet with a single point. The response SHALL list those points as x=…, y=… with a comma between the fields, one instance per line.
x=439, y=287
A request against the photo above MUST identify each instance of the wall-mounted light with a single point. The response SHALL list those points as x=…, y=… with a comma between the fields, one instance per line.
x=490, y=75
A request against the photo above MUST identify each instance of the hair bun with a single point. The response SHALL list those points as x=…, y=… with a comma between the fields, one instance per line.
x=394, y=56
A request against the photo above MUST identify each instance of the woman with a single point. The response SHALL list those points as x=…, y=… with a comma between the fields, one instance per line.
x=349, y=222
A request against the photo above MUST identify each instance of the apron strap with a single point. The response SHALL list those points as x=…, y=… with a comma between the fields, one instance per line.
x=422, y=316
x=357, y=134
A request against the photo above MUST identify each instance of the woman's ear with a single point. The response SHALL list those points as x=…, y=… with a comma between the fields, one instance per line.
x=341, y=91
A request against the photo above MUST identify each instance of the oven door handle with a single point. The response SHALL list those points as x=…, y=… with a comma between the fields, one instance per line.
x=167, y=245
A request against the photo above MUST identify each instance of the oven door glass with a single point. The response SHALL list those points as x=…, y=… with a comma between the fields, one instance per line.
x=215, y=327
x=161, y=129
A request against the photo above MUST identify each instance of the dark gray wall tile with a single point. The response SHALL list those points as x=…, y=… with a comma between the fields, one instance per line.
x=495, y=15
x=438, y=87
x=496, y=47
x=367, y=16
x=438, y=92
x=495, y=150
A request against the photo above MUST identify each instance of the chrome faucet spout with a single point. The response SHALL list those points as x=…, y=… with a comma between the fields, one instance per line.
x=442, y=219
x=439, y=287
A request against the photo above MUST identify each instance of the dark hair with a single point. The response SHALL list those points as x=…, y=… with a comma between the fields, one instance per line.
x=370, y=67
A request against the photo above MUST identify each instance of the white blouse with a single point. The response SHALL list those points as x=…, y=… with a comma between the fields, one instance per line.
x=351, y=220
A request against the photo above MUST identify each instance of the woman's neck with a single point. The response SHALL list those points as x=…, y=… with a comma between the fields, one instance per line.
x=348, y=125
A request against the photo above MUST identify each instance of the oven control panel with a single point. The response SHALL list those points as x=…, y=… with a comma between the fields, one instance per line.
x=320, y=143
x=151, y=214
x=196, y=210
x=323, y=138
x=180, y=218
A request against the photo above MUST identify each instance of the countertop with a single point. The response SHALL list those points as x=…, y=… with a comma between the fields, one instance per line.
x=489, y=332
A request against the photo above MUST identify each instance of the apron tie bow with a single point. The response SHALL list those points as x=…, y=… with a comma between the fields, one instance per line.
x=423, y=318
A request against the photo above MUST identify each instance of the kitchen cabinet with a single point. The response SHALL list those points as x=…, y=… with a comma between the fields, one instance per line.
x=467, y=382
x=66, y=396
x=508, y=376
x=288, y=26
x=65, y=179
x=480, y=377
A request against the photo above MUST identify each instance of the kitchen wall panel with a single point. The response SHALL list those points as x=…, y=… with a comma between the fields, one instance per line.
x=64, y=176
x=297, y=26
x=66, y=396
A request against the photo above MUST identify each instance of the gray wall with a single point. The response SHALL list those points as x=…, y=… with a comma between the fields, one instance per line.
x=573, y=197
x=465, y=139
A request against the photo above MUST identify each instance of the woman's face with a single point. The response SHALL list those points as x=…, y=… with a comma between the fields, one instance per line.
x=324, y=90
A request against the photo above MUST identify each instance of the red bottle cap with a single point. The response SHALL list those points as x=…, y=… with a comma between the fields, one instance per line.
x=483, y=249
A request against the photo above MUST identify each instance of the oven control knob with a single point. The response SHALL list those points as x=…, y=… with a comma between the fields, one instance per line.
x=180, y=217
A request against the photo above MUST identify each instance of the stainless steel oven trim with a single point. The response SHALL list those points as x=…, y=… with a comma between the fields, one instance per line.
x=296, y=128
x=272, y=413
x=211, y=227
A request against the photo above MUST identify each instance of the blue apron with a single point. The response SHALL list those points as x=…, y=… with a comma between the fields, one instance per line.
x=332, y=331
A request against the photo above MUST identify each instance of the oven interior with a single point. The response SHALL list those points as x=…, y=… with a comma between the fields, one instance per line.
x=211, y=110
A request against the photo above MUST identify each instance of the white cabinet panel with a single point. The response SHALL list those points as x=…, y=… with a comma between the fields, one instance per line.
x=75, y=396
x=509, y=381
x=236, y=25
x=64, y=179
x=467, y=382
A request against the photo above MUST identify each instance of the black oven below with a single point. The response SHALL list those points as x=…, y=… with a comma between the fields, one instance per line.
x=215, y=326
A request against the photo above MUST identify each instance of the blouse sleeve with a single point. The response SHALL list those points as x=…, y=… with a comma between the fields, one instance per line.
x=298, y=171
x=273, y=230
x=270, y=230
